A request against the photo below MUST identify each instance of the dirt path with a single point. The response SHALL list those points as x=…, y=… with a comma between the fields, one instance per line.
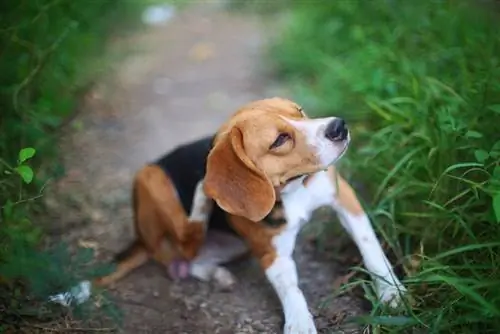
x=187, y=78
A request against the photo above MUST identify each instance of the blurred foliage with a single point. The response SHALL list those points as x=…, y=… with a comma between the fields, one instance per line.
x=44, y=64
x=52, y=50
x=30, y=273
x=419, y=84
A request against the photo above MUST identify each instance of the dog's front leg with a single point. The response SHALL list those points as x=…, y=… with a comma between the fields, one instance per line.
x=202, y=206
x=355, y=221
x=198, y=220
x=193, y=233
x=282, y=274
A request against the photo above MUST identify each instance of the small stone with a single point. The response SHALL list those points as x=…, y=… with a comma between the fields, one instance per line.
x=156, y=294
x=96, y=216
x=259, y=326
x=244, y=319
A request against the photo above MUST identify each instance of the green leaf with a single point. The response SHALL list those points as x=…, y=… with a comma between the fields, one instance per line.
x=474, y=134
x=496, y=172
x=7, y=208
x=481, y=155
x=496, y=206
x=495, y=108
x=25, y=172
x=496, y=146
x=26, y=153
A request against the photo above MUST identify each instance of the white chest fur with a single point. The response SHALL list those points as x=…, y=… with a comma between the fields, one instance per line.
x=300, y=201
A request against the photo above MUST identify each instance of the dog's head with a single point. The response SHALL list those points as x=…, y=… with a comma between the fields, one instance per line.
x=265, y=145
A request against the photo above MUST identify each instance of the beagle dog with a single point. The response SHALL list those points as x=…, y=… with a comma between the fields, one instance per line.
x=250, y=189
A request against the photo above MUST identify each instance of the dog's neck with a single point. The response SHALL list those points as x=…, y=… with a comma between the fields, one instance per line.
x=292, y=185
x=276, y=216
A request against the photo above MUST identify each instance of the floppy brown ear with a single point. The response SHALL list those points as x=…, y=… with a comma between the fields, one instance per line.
x=234, y=182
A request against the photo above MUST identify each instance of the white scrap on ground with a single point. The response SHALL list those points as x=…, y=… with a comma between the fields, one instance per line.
x=79, y=294
x=158, y=14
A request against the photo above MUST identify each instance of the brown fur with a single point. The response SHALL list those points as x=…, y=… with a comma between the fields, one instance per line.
x=242, y=150
x=162, y=229
x=259, y=239
x=345, y=194
x=248, y=192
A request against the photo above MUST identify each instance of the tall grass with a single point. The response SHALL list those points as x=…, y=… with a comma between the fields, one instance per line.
x=419, y=83
x=50, y=52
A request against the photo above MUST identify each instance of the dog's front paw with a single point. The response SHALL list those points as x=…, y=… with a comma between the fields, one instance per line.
x=300, y=323
x=392, y=294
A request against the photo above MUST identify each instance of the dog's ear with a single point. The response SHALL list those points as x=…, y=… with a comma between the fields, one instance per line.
x=234, y=182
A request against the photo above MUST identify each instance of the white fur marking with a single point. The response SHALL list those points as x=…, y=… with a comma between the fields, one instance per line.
x=388, y=287
x=299, y=203
x=282, y=275
x=202, y=206
x=327, y=151
x=218, y=248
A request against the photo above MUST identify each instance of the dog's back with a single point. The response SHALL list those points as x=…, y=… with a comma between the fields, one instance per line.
x=186, y=166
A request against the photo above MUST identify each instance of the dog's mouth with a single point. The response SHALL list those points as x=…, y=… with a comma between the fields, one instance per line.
x=339, y=156
x=293, y=178
x=304, y=176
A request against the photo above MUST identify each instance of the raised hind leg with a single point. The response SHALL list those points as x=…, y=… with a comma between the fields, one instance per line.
x=172, y=237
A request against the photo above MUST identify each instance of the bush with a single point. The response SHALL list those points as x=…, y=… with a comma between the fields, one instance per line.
x=49, y=52
x=47, y=48
x=419, y=82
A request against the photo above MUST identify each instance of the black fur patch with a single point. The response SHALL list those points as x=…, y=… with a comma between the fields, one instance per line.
x=275, y=218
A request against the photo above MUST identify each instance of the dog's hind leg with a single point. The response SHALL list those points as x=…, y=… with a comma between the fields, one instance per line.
x=198, y=220
x=167, y=217
x=219, y=248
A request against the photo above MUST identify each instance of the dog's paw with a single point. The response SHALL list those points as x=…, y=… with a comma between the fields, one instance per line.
x=300, y=323
x=224, y=279
x=392, y=295
x=178, y=270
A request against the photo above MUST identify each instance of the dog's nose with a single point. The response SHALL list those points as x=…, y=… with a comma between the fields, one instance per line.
x=336, y=130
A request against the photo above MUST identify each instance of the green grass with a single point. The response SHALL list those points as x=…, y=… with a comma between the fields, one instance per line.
x=51, y=52
x=419, y=84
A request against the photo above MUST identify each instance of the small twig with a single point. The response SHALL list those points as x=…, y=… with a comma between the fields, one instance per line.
x=22, y=42
x=3, y=162
x=29, y=199
x=133, y=302
x=38, y=15
x=337, y=284
x=40, y=194
x=39, y=66
x=74, y=329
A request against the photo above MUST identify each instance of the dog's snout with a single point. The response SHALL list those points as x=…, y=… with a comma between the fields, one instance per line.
x=336, y=130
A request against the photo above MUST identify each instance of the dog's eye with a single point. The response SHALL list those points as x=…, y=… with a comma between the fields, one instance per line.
x=280, y=140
